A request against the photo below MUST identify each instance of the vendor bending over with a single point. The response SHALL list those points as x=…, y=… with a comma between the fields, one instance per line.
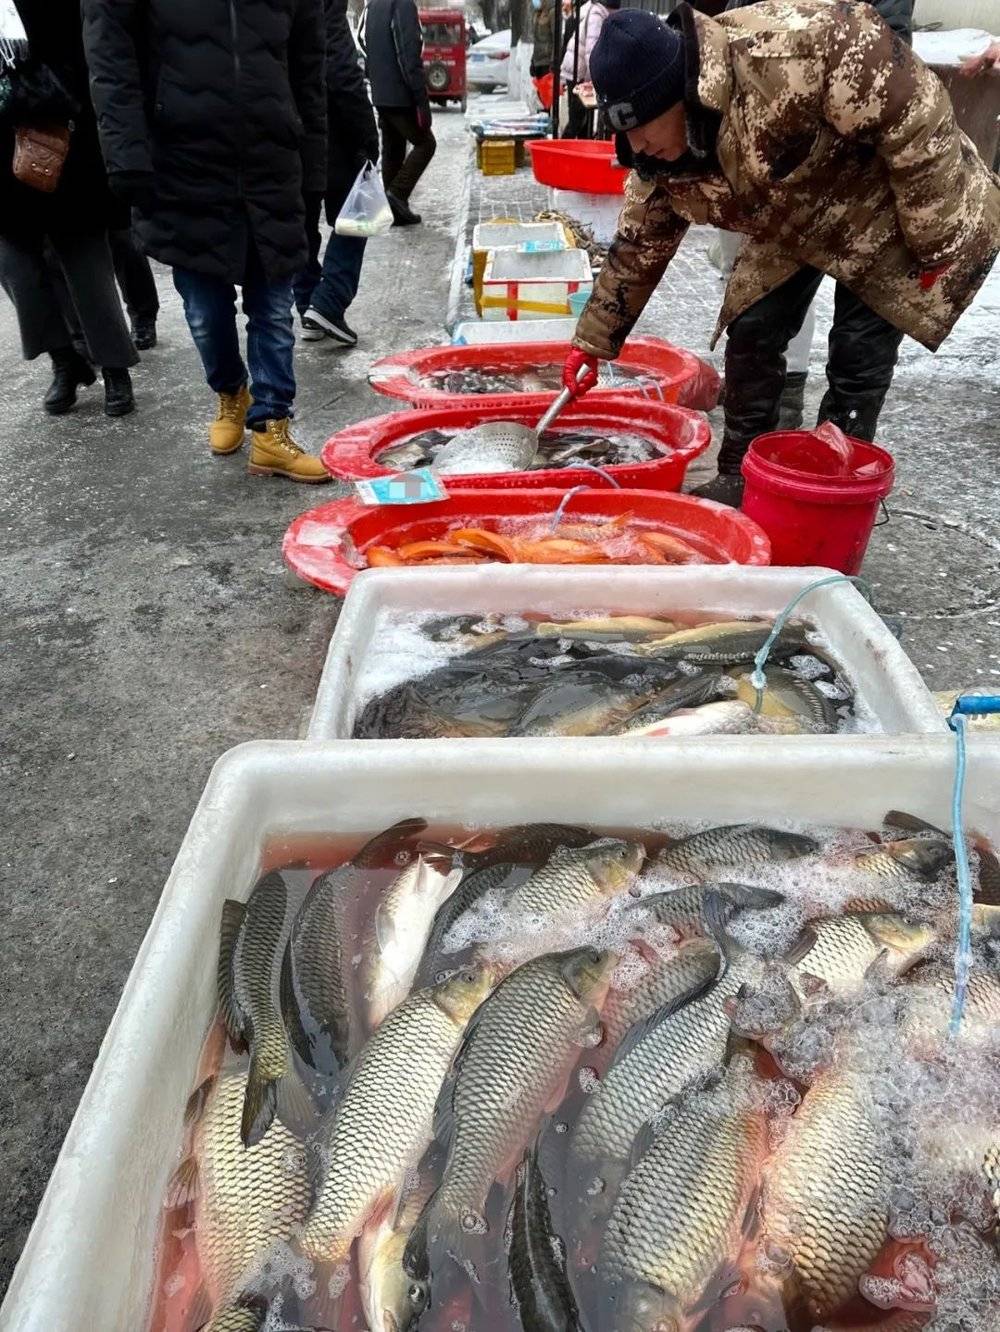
x=810, y=127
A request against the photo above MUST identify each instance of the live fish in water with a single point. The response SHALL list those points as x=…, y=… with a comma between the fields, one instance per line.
x=706, y=854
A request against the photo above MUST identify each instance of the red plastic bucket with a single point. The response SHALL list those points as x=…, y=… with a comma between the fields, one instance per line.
x=814, y=512
x=678, y=436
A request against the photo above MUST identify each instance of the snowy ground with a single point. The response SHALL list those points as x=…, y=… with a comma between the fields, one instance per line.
x=150, y=624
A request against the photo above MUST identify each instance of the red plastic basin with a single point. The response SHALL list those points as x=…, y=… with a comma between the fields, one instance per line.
x=587, y=165
x=679, y=436
x=678, y=375
x=327, y=545
x=813, y=512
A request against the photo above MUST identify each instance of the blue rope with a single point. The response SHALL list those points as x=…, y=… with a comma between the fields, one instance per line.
x=758, y=679
x=970, y=705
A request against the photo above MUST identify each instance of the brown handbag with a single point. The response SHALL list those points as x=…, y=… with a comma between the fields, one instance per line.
x=39, y=156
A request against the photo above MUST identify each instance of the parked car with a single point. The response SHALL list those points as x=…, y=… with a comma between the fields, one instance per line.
x=489, y=62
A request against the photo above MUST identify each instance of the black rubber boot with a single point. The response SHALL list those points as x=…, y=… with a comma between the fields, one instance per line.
x=402, y=214
x=792, y=409
x=727, y=487
x=144, y=334
x=119, y=399
x=70, y=372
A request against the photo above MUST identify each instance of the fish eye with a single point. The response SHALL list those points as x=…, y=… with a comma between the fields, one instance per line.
x=417, y=1296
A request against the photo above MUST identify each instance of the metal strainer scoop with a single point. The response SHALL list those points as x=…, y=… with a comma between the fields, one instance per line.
x=498, y=446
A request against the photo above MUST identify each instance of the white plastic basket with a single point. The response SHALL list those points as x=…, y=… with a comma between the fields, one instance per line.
x=887, y=684
x=533, y=286
x=476, y=332
x=88, y=1262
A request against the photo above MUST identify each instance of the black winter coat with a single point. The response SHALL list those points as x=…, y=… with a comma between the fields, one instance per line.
x=352, y=133
x=394, y=49
x=82, y=201
x=221, y=106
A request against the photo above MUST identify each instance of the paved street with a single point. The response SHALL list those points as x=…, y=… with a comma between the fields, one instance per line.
x=150, y=625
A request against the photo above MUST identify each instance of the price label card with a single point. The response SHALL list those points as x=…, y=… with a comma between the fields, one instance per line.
x=420, y=486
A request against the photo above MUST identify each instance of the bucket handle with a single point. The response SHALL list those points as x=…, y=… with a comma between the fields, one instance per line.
x=886, y=515
x=557, y=517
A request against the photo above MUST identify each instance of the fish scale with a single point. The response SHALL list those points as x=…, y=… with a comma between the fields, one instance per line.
x=574, y=877
x=665, y=980
x=679, y=1213
x=662, y=1061
x=827, y=1192
x=246, y=1198
x=385, y=1121
x=514, y=1061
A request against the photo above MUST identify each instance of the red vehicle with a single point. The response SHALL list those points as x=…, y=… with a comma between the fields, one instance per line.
x=444, y=54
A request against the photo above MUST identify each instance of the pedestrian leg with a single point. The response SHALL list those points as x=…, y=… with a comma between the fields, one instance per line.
x=90, y=276
x=210, y=310
x=755, y=375
x=864, y=348
x=423, y=145
x=393, y=144
x=135, y=278
x=270, y=345
x=26, y=279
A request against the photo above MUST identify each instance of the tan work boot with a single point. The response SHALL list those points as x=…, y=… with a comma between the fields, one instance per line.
x=228, y=430
x=273, y=452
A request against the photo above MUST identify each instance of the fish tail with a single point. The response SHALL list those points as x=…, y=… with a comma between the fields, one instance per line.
x=259, y=1104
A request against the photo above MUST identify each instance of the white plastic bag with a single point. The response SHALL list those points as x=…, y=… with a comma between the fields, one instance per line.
x=366, y=210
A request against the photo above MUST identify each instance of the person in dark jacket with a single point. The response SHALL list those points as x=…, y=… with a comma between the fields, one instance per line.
x=543, y=37
x=393, y=48
x=70, y=225
x=323, y=294
x=213, y=124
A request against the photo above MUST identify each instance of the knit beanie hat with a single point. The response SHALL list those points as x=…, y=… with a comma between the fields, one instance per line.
x=637, y=68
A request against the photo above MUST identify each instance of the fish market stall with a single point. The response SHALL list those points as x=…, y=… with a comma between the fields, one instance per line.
x=397, y=626
x=701, y=1006
x=328, y=546
x=633, y=442
x=448, y=376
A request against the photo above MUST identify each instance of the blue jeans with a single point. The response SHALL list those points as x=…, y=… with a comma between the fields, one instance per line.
x=332, y=287
x=210, y=308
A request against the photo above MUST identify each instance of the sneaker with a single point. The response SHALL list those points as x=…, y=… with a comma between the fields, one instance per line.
x=402, y=214
x=324, y=326
x=273, y=452
x=228, y=430
x=310, y=333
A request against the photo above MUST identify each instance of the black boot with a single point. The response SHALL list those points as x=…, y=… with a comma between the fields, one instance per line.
x=144, y=334
x=70, y=371
x=402, y=214
x=793, y=408
x=119, y=399
x=727, y=487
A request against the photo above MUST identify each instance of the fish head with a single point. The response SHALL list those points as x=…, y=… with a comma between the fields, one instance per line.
x=402, y=1300
x=789, y=846
x=760, y=1011
x=924, y=857
x=645, y=1308
x=906, y=940
x=587, y=970
x=461, y=994
x=613, y=863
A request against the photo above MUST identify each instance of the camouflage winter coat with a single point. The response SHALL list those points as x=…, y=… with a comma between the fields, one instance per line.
x=829, y=143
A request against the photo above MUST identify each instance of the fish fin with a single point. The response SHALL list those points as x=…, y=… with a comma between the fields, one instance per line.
x=880, y=969
x=233, y=1018
x=295, y=1106
x=815, y=987
x=184, y=1184
x=897, y=818
x=315, y=1168
x=802, y=945
x=989, y=876
x=373, y=852
x=439, y=855
x=196, y=1101
x=199, y=1315
x=259, y=1105
x=736, y=1045
x=385, y=930
x=290, y=1010
x=716, y=912
x=638, y=1032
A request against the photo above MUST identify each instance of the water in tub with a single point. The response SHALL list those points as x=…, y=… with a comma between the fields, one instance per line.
x=580, y=447
x=546, y=1077
x=425, y=675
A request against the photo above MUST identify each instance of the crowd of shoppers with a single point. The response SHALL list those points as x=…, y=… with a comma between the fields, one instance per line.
x=208, y=138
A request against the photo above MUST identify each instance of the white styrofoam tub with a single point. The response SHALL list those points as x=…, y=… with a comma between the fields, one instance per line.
x=476, y=332
x=506, y=235
x=533, y=286
x=88, y=1262
x=885, y=681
